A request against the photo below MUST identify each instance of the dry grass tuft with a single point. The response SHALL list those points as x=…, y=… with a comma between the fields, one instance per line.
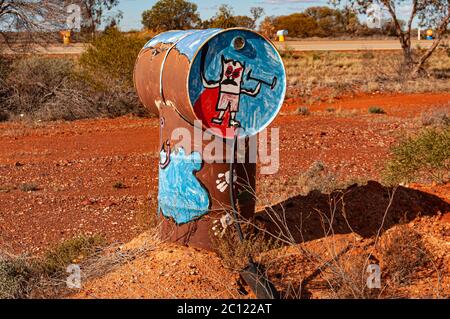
x=403, y=253
x=436, y=117
x=235, y=254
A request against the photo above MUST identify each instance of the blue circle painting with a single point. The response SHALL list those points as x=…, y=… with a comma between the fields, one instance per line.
x=237, y=79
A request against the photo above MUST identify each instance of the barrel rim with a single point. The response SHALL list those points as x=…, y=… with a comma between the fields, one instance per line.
x=284, y=72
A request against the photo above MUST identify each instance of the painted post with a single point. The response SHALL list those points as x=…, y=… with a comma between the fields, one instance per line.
x=204, y=84
x=282, y=35
x=66, y=36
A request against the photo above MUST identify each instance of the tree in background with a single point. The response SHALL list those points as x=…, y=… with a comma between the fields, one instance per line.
x=94, y=13
x=244, y=22
x=319, y=22
x=433, y=14
x=298, y=24
x=256, y=12
x=349, y=19
x=171, y=15
x=389, y=28
x=225, y=18
x=329, y=21
x=267, y=28
x=31, y=20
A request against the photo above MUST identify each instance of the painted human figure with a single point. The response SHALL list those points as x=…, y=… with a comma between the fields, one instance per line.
x=230, y=90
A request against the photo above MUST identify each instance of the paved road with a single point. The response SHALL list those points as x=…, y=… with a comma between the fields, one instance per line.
x=73, y=49
x=348, y=45
x=306, y=45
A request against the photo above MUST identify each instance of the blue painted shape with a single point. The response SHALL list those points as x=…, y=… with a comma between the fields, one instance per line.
x=187, y=41
x=259, y=56
x=181, y=195
x=169, y=37
x=191, y=43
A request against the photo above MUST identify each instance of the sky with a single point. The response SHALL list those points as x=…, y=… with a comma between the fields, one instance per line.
x=132, y=9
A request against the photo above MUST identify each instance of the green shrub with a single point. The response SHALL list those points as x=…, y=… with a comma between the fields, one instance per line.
x=15, y=277
x=28, y=187
x=46, y=89
x=302, y=111
x=70, y=251
x=376, y=110
x=368, y=55
x=4, y=67
x=99, y=85
x=113, y=56
x=22, y=277
x=422, y=157
x=4, y=116
x=287, y=52
x=119, y=185
x=52, y=89
x=108, y=66
x=316, y=56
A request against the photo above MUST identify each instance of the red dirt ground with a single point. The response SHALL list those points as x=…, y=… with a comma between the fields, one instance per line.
x=76, y=165
x=401, y=105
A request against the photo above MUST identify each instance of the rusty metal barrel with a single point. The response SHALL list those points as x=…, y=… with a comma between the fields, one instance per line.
x=208, y=83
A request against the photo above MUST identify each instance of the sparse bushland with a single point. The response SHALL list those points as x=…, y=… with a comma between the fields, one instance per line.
x=423, y=157
x=324, y=76
x=37, y=277
x=45, y=276
x=99, y=85
x=339, y=266
x=338, y=255
x=16, y=277
x=434, y=14
x=111, y=58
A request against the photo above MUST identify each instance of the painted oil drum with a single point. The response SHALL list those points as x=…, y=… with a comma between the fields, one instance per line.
x=194, y=189
x=223, y=78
